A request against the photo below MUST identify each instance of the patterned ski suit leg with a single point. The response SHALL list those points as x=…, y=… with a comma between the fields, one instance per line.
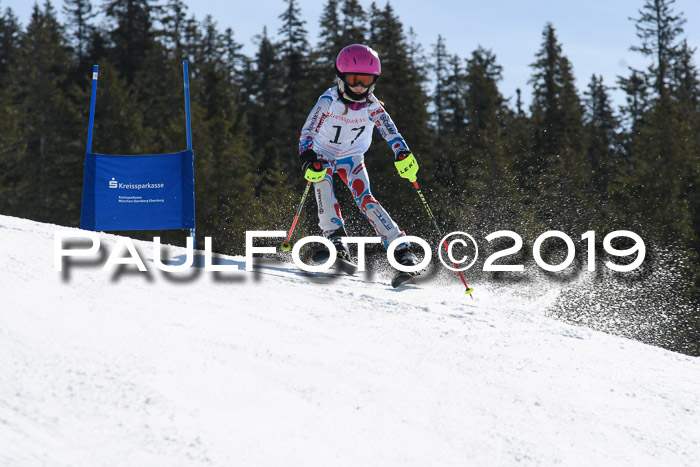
x=353, y=172
x=329, y=216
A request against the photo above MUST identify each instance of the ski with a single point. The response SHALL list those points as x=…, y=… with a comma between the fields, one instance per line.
x=321, y=254
x=401, y=278
x=348, y=267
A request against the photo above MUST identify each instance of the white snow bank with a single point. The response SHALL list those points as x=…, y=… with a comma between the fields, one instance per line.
x=280, y=368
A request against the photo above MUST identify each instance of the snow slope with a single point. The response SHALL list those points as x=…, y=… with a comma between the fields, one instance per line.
x=277, y=367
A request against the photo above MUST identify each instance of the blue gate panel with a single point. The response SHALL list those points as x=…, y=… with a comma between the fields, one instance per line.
x=145, y=192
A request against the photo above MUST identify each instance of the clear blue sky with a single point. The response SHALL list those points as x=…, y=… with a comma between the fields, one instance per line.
x=595, y=34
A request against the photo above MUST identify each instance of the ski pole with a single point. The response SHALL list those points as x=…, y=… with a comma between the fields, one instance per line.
x=468, y=290
x=285, y=245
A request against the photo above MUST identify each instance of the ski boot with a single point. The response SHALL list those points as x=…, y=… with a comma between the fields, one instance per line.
x=405, y=257
x=344, y=262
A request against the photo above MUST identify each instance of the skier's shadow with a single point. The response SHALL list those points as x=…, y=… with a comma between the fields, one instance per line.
x=268, y=266
x=235, y=270
x=232, y=270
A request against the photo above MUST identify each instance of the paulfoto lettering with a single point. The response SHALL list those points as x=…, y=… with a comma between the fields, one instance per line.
x=454, y=239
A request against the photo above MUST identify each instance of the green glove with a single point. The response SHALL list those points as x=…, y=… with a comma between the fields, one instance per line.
x=407, y=165
x=315, y=172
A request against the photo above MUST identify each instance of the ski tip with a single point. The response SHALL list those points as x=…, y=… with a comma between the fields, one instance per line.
x=348, y=267
x=285, y=246
x=401, y=278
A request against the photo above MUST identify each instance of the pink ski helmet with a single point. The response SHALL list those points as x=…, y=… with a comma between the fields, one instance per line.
x=357, y=64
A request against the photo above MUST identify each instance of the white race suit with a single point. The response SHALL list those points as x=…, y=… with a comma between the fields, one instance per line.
x=340, y=134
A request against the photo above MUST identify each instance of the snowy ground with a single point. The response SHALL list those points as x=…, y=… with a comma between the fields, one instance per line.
x=279, y=368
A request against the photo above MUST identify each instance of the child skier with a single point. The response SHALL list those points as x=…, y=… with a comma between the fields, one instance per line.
x=336, y=136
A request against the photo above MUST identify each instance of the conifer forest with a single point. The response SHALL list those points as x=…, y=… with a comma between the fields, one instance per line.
x=569, y=160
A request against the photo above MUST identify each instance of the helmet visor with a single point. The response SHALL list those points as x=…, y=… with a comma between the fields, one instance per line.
x=358, y=79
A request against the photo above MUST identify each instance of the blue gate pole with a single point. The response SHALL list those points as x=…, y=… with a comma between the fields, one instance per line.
x=187, y=105
x=92, y=109
x=188, y=123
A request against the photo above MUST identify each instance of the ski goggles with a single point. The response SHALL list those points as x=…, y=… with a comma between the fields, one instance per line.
x=357, y=79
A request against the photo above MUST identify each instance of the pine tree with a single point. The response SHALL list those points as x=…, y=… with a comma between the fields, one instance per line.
x=452, y=150
x=174, y=23
x=132, y=33
x=441, y=159
x=661, y=149
x=296, y=99
x=601, y=127
x=490, y=171
x=636, y=96
x=79, y=13
x=685, y=90
x=659, y=159
x=11, y=141
x=633, y=116
x=235, y=62
x=330, y=39
x=224, y=171
x=439, y=98
x=557, y=177
x=265, y=83
x=519, y=143
x=9, y=41
x=354, y=23
x=658, y=28
x=156, y=90
x=685, y=81
x=330, y=28
x=658, y=163
x=119, y=123
x=45, y=171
